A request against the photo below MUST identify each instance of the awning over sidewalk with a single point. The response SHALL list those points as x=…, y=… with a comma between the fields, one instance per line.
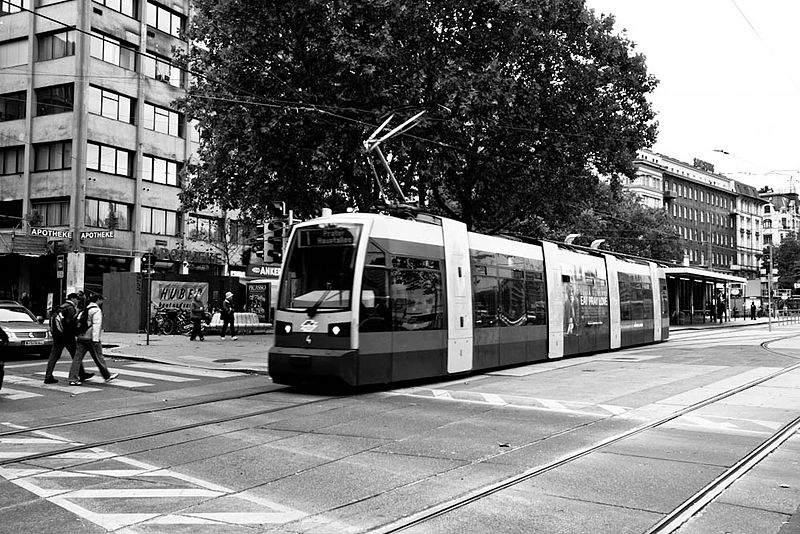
x=694, y=296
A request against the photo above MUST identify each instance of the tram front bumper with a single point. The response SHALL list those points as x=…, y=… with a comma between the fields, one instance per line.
x=292, y=365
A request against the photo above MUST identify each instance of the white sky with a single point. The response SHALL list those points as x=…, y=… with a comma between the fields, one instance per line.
x=722, y=83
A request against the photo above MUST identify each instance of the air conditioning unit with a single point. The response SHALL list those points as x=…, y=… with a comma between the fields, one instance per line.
x=162, y=77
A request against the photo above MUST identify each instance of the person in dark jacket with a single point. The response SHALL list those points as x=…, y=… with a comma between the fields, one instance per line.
x=198, y=313
x=90, y=341
x=227, y=316
x=64, y=337
x=753, y=311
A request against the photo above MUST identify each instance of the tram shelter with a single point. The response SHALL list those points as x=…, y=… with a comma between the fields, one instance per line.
x=693, y=294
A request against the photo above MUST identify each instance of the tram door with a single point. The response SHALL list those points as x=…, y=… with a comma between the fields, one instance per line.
x=459, y=296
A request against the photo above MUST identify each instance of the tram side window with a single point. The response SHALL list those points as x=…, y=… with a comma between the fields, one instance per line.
x=535, y=298
x=375, y=301
x=485, y=305
x=416, y=294
x=512, y=301
x=626, y=313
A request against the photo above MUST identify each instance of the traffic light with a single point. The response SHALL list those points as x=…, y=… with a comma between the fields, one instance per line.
x=274, y=247
x=147, y=261
x=258, y=248
x=246, y=253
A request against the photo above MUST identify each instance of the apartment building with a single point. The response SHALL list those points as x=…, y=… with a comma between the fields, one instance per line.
x=91, y=146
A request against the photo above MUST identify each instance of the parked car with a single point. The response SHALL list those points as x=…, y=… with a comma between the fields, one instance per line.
x=21, y=332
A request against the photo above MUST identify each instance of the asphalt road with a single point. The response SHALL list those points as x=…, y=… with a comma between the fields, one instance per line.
x=607, y=443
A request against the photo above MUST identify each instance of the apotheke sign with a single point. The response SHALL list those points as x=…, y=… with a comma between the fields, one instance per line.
x=53, y=233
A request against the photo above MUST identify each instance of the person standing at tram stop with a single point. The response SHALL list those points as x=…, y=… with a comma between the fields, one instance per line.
x=198, y=313
x=753, y=311
x=227, y=316
x=64, y=328
x=89, y=341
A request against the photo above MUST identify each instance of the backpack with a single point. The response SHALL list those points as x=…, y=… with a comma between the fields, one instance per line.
x=60, y=322
x=83, y=321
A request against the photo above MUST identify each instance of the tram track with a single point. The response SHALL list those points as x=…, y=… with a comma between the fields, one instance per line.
x=146, y=434
x=669, y=522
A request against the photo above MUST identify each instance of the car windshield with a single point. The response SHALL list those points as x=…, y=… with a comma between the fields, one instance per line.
x=16, y=314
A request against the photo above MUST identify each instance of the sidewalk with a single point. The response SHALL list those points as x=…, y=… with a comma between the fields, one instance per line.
x=247, y=354
x=759, y=321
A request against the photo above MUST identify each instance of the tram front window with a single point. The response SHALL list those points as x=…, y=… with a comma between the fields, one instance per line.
x=318, y=275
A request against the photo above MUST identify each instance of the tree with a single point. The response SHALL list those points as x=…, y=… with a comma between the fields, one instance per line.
x=527, y=103
x=627, y=225
x=787, y=260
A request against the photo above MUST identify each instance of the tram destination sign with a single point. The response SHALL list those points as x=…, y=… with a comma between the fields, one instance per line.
x=335, y=236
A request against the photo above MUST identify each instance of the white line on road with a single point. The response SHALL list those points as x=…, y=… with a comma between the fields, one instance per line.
x=208, y=373
x=17, y=394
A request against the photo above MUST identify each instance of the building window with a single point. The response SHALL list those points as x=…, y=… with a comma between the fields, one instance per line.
x=165, y=20
x=162, y=222
x=160, y=171
x=12, y=106
x=108, y=159
x=161, y=69
x=105, y=214
x=162, y=120
x=54, y=213
x=13, y=53
x=9, y=7
x=204, y=228
x=53, y=156
x=110, y=104
x=12, y=160
x=126, y=7
x=113, y=51
x=54, y=99
x=56, y=45
x=767, y=223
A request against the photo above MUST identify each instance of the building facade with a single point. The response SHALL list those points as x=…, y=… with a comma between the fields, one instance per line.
x=781, y=216
x=91, y=147
x=702, y=205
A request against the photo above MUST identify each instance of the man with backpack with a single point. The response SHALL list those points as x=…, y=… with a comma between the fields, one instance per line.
x=63, y=327
x=89, y=328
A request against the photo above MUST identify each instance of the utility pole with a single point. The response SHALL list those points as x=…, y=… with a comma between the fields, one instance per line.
x=769, y=287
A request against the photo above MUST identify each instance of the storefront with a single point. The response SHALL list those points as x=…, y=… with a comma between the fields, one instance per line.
x=698, y=296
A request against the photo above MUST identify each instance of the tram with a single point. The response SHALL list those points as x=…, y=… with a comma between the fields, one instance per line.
x=374, y=299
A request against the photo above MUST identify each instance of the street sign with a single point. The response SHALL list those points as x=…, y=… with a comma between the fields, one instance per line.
x=60, y=266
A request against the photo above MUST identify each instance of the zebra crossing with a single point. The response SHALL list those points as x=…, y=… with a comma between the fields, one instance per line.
x=132, y=376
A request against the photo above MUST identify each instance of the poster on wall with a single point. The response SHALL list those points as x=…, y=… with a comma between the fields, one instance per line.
x=586, y=317
x=258, y=299
x=166, y=294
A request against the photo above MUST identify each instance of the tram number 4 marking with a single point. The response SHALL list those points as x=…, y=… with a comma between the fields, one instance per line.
x=308, y=340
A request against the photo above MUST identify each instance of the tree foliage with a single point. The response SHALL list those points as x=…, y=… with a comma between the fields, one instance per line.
x=527, y=103
x=626, y=225
x=787, y=260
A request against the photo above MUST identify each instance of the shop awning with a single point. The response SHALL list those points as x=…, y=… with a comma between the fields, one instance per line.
x=702, y=274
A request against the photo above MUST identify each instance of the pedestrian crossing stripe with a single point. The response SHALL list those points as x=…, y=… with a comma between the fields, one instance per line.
x=17, y=394
x=215, y=504
x=191, y=371
x=33, y=382
x=118, y=382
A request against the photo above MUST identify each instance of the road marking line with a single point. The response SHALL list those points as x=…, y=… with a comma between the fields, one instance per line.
x=208, y=373
x=140, y=493
x=154, y=376
x=31, y=382
x=17, y=394
x=119, y=382
x=32, y=441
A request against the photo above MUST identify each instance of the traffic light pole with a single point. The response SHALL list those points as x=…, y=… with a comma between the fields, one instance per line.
x=769, y=287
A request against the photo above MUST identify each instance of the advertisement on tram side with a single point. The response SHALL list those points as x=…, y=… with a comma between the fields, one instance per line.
x=586, y=316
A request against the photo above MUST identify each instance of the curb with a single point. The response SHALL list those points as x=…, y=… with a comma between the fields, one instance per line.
x=138, y=358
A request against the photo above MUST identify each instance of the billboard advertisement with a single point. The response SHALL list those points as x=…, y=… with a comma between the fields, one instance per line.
x=173, y=294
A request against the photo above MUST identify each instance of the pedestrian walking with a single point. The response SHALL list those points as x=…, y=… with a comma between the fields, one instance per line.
x=198, y=314
x=227, y=316
x=25, y=299
x=90, y=327
x=63, y=329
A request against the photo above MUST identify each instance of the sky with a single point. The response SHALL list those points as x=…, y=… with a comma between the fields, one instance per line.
x=729, y=81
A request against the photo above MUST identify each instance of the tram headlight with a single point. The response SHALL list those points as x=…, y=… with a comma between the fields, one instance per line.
x=283, y=328
x=339, y=329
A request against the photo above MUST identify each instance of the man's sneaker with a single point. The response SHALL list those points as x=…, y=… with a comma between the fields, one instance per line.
x=74, y=383
x=222, y=337
x=50, y=380
x=112, y=377
x=86, y=376
x=234, y=338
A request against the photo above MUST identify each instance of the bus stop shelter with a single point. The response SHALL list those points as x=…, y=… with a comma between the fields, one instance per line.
x=694, y=294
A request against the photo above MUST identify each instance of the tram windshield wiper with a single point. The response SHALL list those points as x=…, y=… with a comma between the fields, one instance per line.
x=312, y=310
